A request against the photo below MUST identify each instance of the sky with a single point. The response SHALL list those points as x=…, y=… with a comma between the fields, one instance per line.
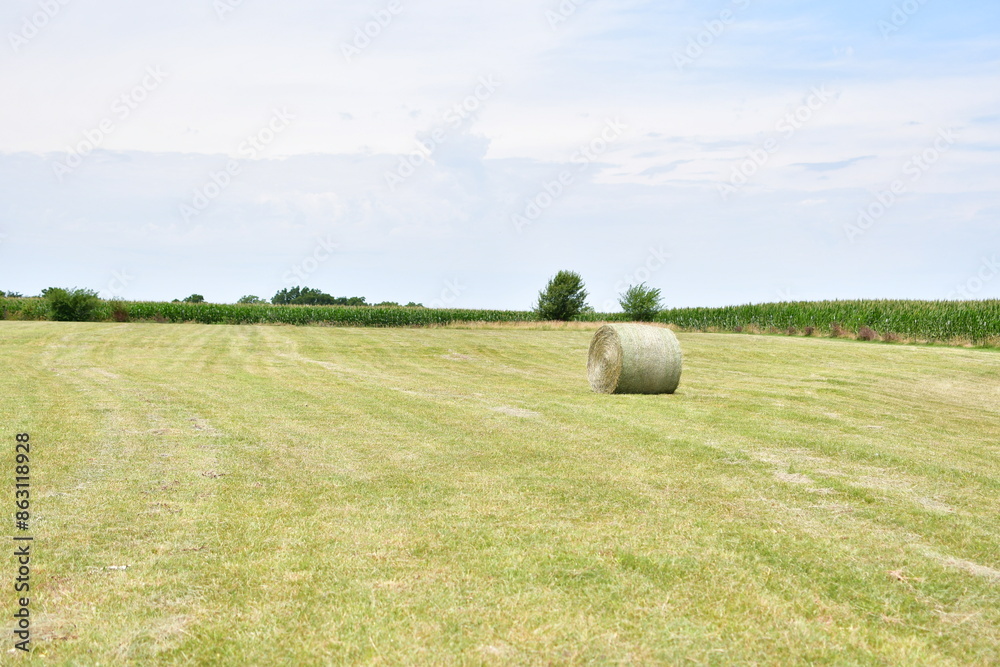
x=459, y=154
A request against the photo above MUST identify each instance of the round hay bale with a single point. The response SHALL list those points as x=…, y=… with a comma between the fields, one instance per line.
x=634, y=359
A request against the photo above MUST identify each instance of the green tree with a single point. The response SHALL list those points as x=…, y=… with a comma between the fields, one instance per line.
x=563, y=298
x=315, y=297
x=195, y=298
x=641, y=303
x=308, y=296
x=303, y=296
x=71, y=305
x=286, y=296
x=250, y=299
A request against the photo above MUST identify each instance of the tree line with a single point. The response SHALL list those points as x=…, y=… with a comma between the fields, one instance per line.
x=563, y=298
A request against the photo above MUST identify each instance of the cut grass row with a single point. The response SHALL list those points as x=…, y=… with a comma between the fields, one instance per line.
x=966, y=322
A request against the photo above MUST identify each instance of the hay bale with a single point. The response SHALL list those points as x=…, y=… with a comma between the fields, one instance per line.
x=634, y=359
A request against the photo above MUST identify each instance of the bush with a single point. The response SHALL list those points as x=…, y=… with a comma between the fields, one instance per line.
x=867, y=333
x=71, y=305
x=641, y=303
x=250, y=299
x=195, y=298
x=119, y=313
x=563, y=298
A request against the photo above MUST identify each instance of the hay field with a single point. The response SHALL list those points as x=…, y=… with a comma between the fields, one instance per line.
x=300, y=495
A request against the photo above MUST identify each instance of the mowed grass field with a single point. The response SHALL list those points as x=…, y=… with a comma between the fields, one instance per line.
x=317, y=495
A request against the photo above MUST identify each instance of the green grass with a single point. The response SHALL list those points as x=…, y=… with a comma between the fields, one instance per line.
x=308, y=495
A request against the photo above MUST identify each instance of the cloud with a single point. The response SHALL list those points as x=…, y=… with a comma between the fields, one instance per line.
x=664, y=168
x=832, y=166
x=354, y=121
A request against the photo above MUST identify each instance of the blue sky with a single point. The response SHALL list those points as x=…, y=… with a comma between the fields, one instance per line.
x=460, y=154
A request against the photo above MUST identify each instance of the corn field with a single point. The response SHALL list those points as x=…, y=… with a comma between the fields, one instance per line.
x=977, y=322
x=213, y=313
